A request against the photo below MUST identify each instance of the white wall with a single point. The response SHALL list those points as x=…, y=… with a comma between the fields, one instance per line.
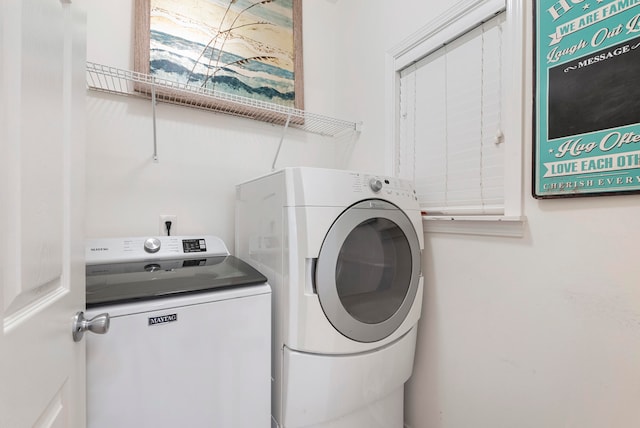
x=202, y=155
x=542, y=331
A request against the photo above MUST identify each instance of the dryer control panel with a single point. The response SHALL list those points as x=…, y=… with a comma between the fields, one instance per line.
x=340, y=188
x=384, y=186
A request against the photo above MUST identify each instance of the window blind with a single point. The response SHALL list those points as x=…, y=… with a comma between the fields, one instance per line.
x=450, y=139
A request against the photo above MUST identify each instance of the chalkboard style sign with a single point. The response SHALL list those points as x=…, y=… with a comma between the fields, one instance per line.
x=587, y=98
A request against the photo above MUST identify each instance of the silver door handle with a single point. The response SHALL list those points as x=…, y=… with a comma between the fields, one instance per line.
x=98, y=324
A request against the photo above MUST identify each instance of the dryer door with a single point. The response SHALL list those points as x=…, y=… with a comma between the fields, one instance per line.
x=368, y=270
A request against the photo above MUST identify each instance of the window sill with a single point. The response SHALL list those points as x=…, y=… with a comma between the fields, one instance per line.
x=486, y=225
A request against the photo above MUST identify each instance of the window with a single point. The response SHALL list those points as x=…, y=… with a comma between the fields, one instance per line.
x=458, y=115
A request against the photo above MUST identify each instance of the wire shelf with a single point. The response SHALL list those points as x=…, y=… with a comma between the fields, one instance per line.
x=130, y=83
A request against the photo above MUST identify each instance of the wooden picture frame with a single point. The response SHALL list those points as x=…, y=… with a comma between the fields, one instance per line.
x=248, y=49
x=586, y=90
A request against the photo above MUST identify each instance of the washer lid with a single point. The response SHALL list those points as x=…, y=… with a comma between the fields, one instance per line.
x=139, y=281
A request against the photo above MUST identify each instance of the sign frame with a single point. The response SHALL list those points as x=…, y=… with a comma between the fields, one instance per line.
x=586, y=93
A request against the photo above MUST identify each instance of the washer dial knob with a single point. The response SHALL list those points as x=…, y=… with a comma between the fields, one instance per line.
x=375, y=185
x=152, y=245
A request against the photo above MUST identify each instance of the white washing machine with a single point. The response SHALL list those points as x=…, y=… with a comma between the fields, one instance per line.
x=189, y=341
x=342, y=252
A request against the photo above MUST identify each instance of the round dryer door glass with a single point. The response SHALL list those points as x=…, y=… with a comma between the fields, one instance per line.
x=368, y=270
x=373, y=270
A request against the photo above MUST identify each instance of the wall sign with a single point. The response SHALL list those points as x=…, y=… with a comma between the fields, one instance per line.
x=587, y=98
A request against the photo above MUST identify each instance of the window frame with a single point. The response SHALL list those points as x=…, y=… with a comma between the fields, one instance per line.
x=456, y=21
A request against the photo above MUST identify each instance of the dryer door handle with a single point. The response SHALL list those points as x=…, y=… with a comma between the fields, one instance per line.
x=310, y=275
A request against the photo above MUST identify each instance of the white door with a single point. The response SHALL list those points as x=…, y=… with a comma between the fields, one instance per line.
x=42, y=104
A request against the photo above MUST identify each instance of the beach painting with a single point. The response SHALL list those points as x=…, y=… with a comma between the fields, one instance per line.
x=247, y=48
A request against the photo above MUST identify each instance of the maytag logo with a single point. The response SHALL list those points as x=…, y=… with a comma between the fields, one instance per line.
x=163, y=319
x=99, y=249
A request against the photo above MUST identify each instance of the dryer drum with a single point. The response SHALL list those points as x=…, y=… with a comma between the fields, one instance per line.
x=368, y=270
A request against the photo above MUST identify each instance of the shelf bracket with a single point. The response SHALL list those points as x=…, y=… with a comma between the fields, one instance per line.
x=284, y=131
x=153, y=108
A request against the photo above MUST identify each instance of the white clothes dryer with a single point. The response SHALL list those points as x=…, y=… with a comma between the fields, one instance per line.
x=342, y=253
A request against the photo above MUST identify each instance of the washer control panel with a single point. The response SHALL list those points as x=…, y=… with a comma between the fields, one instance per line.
x=117, y=250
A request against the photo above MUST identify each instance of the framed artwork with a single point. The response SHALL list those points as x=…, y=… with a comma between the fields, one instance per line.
x=587, y=98
x=251, y=49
